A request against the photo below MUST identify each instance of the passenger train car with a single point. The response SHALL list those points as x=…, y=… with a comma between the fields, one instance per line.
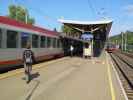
x=14, y=36
x=111, y=48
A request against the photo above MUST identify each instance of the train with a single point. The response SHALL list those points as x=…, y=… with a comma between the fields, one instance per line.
x=14, y=35
x=110, y=48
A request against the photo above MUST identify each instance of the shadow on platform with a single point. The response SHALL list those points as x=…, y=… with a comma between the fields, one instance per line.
x=33, y=76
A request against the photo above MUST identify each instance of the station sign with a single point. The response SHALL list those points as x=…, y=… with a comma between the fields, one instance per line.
x=23, y=34
x=87, y=36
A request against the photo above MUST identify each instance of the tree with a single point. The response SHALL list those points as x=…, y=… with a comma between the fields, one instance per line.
x=70, y=31
x=20, y=14
x=67, y=29
x=127, y=34
x=12, y=11
x=31, y=21
x=55, y=29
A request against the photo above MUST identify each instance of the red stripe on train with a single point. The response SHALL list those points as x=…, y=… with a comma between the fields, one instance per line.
x=10, y=62
x=19, y=61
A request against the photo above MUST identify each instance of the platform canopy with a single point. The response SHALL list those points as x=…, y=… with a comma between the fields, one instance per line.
x=88, y=26
x=98, y=29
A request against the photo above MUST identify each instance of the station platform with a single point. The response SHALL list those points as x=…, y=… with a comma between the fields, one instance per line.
x=66, y=78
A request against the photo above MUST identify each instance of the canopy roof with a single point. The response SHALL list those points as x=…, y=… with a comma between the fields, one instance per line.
x=90, y=26
x=84, y=22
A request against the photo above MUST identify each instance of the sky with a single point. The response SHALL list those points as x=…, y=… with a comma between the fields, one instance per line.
x=46, y=12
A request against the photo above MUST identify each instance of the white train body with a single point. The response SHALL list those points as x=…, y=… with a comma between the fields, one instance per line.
x=14, y=36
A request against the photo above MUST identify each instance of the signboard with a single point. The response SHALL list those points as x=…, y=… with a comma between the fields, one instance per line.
x=86, y=36
x=23, y=34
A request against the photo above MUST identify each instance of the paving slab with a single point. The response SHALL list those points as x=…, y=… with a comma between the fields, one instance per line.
x=64, y=79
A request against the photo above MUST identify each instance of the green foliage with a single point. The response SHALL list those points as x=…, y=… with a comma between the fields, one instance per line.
x=55, y=30
x=118, y=38
x=67, y=29
x=31, y=21
x=12, y=11
x=130, y=37
x=21, y=14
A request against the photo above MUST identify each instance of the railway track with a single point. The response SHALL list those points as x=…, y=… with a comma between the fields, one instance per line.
x=127, y=54
x=124, y=67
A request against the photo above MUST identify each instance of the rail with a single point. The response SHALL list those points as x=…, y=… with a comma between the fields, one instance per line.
x=124, y=66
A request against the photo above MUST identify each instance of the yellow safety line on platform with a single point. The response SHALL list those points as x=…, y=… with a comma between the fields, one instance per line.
x=20, y=71
x=110, y=80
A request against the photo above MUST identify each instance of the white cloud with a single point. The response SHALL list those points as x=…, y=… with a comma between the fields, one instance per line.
x=129, y=9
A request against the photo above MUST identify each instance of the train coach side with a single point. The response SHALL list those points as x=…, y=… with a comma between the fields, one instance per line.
x=13, y=39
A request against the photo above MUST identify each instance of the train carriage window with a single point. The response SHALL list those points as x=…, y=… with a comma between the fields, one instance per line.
x=48, y=42
x=51, y=43
x=43, y=39
x=0, y=38
x=25, y=37
x=12, y=38
x=54, y=42
x=35, y=39
x=58, y=43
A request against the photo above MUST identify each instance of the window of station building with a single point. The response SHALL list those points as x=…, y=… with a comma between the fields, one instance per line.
x=0, y=38
x=43, y=39
x=48, y=42
x=25, y=38
x=12, y=38
x=35, y=41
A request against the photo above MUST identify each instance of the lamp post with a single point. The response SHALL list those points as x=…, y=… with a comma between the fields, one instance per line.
x=125, y=42
x=122, y=41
